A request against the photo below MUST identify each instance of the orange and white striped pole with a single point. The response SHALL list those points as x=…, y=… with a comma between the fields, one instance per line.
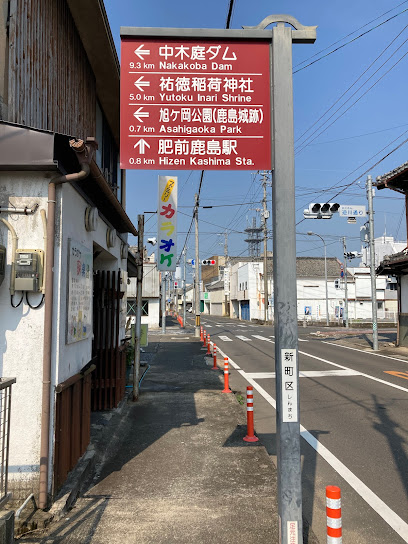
x=333, y=515
x=226, y=377
x=250, y=436
x=208, y=345
x=215, y=367
x=201, y=334
x=205, y=338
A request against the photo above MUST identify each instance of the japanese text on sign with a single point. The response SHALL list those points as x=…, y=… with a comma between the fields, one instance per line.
x=193, y=105
x=167, y=223
x=79, y=307
x=289, y=385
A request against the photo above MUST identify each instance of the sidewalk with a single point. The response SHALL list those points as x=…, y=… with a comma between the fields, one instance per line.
x=173, y=467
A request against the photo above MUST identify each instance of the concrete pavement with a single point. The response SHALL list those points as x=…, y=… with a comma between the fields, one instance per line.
x=173, y=467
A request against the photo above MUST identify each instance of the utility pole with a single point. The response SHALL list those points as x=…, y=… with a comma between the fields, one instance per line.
x=372, y=261
x=265, y=244
x=184, y=288
x=138, y=327
x=310, y=233
x=227, y=310
x=346, y=317
x=197, y=273
x=163, y=291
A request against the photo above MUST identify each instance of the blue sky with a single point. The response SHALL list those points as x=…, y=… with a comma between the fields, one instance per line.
x=336, y=155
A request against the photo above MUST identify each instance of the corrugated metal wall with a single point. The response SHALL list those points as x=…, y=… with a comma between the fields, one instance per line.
x=51, y=84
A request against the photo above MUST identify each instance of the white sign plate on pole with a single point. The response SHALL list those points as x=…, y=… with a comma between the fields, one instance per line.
x=167, y=224
x=352, y=211
x=289, y=385
x=226, y=281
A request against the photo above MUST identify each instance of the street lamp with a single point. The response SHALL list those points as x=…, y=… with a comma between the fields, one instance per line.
x=310, y=233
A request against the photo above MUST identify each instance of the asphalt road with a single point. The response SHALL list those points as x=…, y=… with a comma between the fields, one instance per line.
x=353, y=425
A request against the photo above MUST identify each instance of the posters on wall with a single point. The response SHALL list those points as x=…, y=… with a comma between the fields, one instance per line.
x=79, y=306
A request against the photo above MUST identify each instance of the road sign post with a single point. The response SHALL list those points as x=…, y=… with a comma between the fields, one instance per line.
x=199, y=99
x=284, y=277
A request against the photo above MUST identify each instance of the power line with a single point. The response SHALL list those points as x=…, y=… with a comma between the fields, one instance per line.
x=337, y=185
x=352, y=85
x=351, y=41
x=358, y=135
x=351, y=33
x=355, y=102
x=366, y=172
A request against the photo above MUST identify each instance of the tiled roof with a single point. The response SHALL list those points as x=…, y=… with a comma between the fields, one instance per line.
x=312, y=267
x=397, y=178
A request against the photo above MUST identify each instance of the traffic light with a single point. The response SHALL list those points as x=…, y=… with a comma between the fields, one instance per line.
x=352, y=254
x=321, y=210
x=337, y=284
x=208, y=261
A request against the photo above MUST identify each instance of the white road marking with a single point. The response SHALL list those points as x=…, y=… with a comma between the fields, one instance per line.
x=225, y=338
x=364, y=351
x=231, y=362
x=306, y=374
x=242, y=326
x=244, y=338
x=379, y=506
x=262, y=338
x=361, y=374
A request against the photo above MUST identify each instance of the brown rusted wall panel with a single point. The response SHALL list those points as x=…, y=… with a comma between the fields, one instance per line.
x=51, y=84
x=73, y=425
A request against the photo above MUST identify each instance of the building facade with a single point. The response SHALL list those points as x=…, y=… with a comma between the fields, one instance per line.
x=63, y=230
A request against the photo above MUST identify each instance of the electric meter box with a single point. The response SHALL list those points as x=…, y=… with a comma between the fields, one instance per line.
x=29, y=266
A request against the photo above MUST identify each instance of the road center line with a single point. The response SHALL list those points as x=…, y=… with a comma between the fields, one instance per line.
x=379, y=506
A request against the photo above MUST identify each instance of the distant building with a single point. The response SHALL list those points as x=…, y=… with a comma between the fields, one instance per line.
x=150, y=295
x=397, y=264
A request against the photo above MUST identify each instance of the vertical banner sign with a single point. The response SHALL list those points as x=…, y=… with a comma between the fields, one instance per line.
x=194, y=105
x=167, y=223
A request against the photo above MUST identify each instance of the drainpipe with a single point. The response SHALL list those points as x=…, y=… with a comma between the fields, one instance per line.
x=14, y=242
x=84, y=155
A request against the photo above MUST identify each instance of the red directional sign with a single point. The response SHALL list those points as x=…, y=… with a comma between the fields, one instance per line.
x=195, y=104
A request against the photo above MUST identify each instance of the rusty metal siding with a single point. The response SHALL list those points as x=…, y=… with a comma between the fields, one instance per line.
x=73, y=426
x=51, y=83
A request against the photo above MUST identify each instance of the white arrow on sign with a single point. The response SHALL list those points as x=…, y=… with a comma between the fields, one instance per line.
x=141, y=144
x=140, y=51
x=139, y=114
x=139, y=84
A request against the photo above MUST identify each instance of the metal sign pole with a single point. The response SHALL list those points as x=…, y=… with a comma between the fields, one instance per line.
x=284, y=279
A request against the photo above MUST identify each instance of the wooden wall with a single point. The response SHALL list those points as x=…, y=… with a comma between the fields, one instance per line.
x=51, y=84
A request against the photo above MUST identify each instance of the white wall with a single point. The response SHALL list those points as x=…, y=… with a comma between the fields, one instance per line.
x=21, y=329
